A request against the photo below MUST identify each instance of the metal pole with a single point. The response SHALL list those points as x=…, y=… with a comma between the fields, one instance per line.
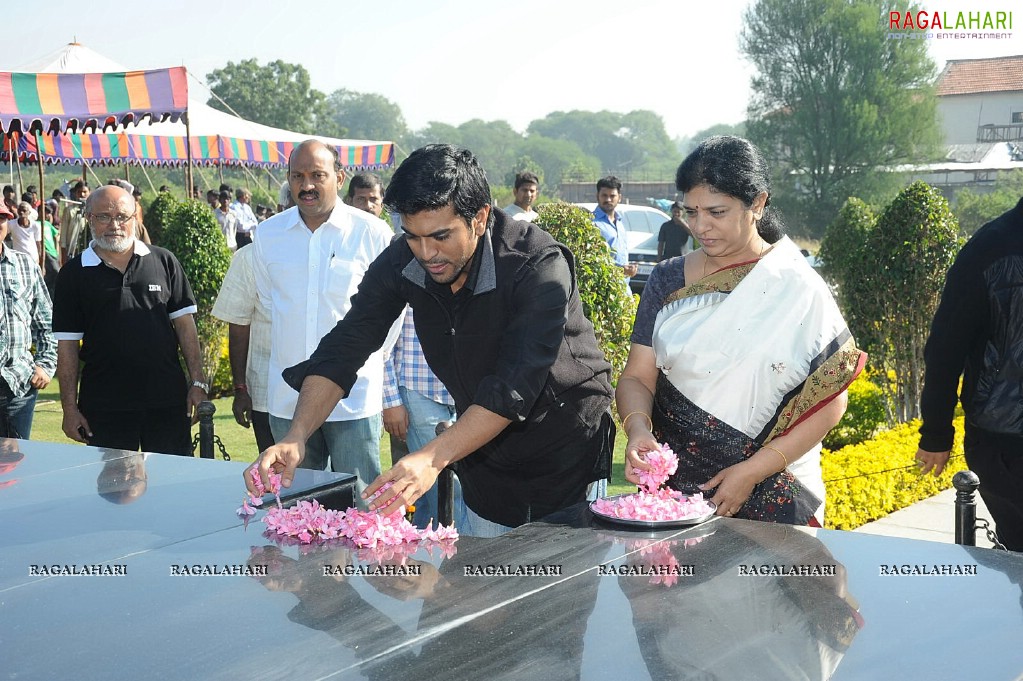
x=206, y=411
x=445, y=488
x=188, y=153
x=966, y=483
x=42, y=200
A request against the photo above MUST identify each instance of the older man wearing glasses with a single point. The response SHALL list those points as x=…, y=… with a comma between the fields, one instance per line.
x=121, y=309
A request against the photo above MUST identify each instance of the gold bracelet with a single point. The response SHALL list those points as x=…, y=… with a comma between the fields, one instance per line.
x=780, y=453
x=625, y=420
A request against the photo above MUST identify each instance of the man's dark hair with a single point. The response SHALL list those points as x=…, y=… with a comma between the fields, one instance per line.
x=76, y=189
x=609, y=182
x=733, y=166
x=224, y=195
x=212, y=192
x=439, y=175
x=8, y=189
x=338, y=168
x=224, y=187
x=364, y=181
x=526, y=177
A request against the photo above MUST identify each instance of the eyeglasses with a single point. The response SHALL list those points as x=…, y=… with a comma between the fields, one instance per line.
x=104, y=219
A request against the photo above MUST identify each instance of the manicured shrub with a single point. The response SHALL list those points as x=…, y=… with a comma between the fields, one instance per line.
x=193, y=235
x=158, y=215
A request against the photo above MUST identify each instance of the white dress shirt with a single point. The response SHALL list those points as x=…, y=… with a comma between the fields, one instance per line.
x=308, y=279
x=247, y=220
x=237, y=303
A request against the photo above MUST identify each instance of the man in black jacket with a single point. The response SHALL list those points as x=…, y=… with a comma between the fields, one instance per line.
x=498, y=314
x=977, y=333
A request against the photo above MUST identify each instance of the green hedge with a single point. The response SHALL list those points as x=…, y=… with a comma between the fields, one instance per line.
x=869, y=480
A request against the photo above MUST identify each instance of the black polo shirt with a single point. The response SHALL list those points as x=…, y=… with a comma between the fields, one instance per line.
x=673, y=237
x=129, y=347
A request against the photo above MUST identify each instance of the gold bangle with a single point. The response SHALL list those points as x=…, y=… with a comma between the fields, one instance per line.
x=625, y=420
x=780, y=453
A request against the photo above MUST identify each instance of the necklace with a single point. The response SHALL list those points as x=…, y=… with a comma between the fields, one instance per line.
x=706, y=258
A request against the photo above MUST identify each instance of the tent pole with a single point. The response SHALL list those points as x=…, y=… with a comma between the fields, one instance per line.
x=220, y=170
x=188, y=152
x=42, y=199
x=127, y=173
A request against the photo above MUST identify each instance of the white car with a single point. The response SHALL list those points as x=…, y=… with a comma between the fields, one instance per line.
x=642, y=224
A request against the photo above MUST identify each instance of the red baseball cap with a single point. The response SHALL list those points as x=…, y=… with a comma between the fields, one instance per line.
x=5, y=212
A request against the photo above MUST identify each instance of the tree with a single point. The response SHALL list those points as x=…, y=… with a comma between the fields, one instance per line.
x=560, y=159
x=835, y=101
x=192, y=234
x=278, y=94
x=974, y=210
x=366, y=115
x=624, y=143
x=686, y=145
x=847, y=264
x=495, y=144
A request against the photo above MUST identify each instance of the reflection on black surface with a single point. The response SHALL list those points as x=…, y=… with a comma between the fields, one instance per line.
x=123, y=477
x=465, y=624
x=722, y=624
x=10, y=457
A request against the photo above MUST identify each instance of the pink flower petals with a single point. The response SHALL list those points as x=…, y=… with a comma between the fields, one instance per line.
x=257, y=499
x=308, y=521
x=662, y=505
x=663, y=464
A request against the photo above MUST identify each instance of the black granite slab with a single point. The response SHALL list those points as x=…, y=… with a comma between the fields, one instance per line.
x=704, y=607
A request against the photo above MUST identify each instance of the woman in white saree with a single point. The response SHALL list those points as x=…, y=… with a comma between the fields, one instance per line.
x=740, y=357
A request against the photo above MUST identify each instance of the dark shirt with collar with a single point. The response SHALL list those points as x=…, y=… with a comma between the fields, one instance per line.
x=514, y=341
x=129, y=346
x=674, y=237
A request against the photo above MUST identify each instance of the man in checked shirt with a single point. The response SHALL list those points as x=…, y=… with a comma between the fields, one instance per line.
x=24, y=322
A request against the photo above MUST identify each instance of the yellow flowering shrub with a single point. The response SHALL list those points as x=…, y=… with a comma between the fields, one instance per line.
x=222, y=383
x=869, y=480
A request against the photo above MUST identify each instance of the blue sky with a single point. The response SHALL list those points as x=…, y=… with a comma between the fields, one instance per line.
x=454, y=60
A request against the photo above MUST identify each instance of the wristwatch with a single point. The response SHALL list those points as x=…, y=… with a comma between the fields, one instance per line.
x=205, y=387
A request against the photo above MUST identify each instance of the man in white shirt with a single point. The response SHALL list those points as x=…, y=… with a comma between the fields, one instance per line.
x=26, y=233
x=228, y=220
x=308, y=263
x=247, y=220
x=527, y=188
x=248, y=345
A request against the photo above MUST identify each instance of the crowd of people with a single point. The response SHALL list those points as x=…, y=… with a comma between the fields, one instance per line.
x=465, y=319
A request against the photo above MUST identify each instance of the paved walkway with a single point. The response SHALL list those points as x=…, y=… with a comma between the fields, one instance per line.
x=932, y=519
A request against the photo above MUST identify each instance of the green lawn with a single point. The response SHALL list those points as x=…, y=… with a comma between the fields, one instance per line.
x=240, y=442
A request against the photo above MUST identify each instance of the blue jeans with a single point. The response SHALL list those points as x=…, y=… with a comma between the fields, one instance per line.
x=16, y=412
x=476, y=526
x=423, y=416
x=350, y=446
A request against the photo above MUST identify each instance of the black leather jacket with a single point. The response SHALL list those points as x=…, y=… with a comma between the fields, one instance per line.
x=978, y=333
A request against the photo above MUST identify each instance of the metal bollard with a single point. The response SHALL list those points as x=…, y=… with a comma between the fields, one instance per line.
x=966, y=483
x=445, y=488
x=206, y=435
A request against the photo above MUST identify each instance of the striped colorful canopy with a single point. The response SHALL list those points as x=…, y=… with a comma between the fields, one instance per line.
x=60, y=102
x=113, y=148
